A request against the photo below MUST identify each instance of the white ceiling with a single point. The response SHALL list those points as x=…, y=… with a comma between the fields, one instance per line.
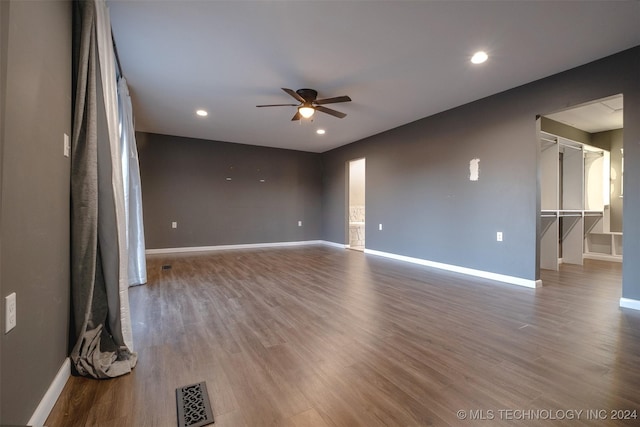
x=603, y=114
x=398, y=60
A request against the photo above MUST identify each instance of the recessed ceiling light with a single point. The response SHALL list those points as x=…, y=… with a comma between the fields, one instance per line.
x=479, y=57
x=320, y=131
x=202, y=113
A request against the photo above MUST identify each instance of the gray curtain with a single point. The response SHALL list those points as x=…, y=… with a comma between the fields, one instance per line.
x=100, y=350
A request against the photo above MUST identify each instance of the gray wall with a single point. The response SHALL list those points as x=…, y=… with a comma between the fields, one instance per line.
x=35, y=200
x=631, y=206
x=418, y=187
x=184, y=180
x=418, y=176
x=4, y=32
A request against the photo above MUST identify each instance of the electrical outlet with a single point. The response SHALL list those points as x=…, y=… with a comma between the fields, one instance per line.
x=499, y=236
x=10, y=312
x=174, y=224
x=380, y=227
x=299, y=223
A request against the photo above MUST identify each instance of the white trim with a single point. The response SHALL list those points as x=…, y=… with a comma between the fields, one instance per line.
x=45, y=406
x=457, y=269
x=227, y=247
x=334, y=244
x=633, y=304
x=602, y=257
x=470, y=271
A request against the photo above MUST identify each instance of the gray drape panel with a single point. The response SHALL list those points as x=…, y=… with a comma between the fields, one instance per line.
x=100, y=350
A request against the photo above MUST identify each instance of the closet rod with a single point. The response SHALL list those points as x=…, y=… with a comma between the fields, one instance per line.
x=594, y=153
x=569, y=146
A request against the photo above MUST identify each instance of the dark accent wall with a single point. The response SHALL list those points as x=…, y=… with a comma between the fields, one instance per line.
x=35, y=200
x=4, y=32
x=418, y=188
x=418, y=183
x=185, y=180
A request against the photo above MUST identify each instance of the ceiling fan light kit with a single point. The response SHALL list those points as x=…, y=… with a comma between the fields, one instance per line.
x=306, y=111
x=309, y=104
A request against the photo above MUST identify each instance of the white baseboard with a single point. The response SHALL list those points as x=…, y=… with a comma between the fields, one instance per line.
x=602, y=257
x=47, y=403
x=478, y=273
x=633, y=304
x=334, y=244
x=228, y=247
x=457, y=269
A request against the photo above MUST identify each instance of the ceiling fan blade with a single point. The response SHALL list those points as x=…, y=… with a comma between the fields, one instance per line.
x=332, y=100
x=334, y=113
x=278, y=105
x=293, y=94
x=297, y=116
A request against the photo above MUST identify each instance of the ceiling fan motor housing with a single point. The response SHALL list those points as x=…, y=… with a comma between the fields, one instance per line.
x=308, y=95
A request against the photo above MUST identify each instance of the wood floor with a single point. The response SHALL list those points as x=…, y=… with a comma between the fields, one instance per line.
x=318, y=336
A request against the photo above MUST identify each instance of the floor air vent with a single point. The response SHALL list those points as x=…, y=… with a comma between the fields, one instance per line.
x=194, y=408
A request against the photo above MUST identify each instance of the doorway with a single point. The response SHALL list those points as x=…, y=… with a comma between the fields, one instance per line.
x=581, y=188
x=356, y=210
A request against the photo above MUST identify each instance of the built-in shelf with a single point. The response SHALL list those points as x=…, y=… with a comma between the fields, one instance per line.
x=604, y=246
x=574, y=204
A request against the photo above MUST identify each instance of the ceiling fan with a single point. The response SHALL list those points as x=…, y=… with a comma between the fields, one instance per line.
x=309, y=104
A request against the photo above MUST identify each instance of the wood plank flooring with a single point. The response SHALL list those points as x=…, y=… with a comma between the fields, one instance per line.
x=318, y=336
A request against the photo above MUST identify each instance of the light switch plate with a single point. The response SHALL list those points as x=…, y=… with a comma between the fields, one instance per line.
x=10, y=312
x=67, y=146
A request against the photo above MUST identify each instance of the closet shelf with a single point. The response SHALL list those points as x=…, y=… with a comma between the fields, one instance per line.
x=570, y=212
x=574, y=210
x=549, y=213
x=607, y=233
